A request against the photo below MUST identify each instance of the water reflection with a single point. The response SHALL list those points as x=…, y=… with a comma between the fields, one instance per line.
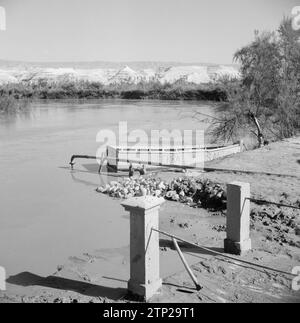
x=7, y=120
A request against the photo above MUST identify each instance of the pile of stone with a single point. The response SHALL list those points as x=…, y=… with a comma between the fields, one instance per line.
x=190, y=191
x=197, y=193
x=133, y=187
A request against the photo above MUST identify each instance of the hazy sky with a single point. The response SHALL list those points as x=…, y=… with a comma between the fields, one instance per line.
x=135, y=30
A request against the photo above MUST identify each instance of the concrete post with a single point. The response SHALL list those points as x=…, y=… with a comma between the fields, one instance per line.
x=144, y=246
x=238, y=218
x=112, y=157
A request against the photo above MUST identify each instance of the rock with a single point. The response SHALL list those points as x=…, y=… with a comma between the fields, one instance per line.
x=161, y=186
x=191, y=191
x=175, y=197
x=170, y=194
x=181, y=194
x=158, y=193
x=183, y=225
x=189, y=200
x=143, y=191
x=59, y=268
x=100, y=189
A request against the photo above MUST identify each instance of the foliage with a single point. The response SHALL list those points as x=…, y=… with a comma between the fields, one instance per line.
x=266, y=102
x=95, y=90
x=9, y=105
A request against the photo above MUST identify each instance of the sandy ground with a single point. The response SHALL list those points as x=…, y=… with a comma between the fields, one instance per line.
x=101, y=275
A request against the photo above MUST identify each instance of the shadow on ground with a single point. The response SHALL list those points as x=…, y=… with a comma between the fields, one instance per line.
x=26, y=279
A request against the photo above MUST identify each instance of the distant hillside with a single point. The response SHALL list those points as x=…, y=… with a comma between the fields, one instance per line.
x=102, y=64
x=138, y=80
x=14, y=72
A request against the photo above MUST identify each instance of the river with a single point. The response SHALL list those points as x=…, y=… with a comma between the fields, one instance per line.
x=47, y=212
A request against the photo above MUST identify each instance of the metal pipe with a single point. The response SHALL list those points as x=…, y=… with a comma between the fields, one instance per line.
x=185, y=167
x=188, y=269
x=224, y=255
x=82, y=157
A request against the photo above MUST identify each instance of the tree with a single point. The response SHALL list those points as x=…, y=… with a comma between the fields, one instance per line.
x=265, y=101
x=287, y=116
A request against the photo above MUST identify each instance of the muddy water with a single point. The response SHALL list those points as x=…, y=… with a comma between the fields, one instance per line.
x=47, y=212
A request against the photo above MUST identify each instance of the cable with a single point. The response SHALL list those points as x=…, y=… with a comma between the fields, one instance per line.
x=278, y=204
x=223, y=255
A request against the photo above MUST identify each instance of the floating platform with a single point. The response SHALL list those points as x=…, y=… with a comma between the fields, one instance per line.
x=188, y=157
x=120, y=158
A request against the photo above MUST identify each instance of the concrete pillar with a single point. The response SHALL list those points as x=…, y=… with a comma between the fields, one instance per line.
x=238, y=218
x=144, y=246
x=112, y=156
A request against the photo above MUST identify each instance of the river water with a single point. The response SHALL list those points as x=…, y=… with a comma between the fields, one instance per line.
x=49, y=213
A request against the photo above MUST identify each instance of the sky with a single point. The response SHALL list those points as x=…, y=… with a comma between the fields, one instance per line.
x=207, y=31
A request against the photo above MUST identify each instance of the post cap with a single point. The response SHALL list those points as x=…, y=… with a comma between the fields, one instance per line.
x=239, y=184
x=143, y=202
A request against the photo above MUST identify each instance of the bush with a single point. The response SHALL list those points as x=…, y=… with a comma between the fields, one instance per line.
x=266, y=102
x=9, y=105
x=143, y=90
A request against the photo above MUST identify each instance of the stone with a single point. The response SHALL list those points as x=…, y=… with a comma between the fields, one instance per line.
x=238, y=219
x=145, y=279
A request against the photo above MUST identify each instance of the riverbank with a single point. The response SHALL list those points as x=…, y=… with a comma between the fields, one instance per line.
x=101, y=275
x=96, y=90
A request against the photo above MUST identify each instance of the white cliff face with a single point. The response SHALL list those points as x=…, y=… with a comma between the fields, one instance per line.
x=188, y=74
x=219, y=72
x=125, y=75
x=6, y=77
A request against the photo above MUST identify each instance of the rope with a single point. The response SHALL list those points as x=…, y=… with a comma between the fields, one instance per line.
x=273, y=203
x=223, y=255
